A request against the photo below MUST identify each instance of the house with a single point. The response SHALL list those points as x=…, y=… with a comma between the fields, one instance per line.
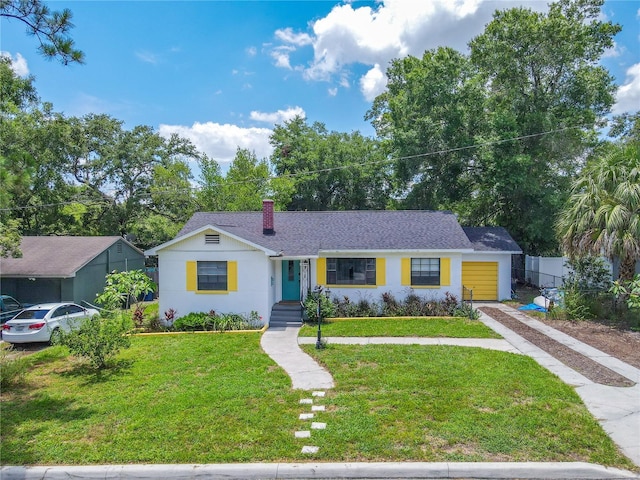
x=243, y=261
x=65, y=268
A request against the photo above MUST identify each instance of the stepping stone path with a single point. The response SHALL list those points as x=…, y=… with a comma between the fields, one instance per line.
x=311, y=449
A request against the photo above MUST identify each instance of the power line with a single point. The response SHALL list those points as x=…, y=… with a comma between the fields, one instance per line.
x=313, y=172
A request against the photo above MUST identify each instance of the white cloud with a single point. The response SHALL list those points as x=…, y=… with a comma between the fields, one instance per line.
x=18, y=63
x=333, y=92
x=628, y=95
x=252, y=51
x=147, y=57
x=220, y=141
x=278, y=117
x=281, y=56
x=373, y=83
x=288, y=36
x=615, y=51
x=350, y=35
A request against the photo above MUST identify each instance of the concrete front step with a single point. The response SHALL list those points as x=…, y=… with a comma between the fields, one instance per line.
x=286, y=314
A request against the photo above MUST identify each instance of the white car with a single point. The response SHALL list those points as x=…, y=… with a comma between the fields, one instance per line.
x=37, y=323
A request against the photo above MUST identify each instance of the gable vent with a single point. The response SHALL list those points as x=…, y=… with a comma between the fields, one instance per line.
x=212, y=239
x=119, y=247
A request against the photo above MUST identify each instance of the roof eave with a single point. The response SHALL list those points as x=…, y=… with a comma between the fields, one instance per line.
x=154, y=251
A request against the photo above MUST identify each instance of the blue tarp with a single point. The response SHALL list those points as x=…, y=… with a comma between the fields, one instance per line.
x=533, y=306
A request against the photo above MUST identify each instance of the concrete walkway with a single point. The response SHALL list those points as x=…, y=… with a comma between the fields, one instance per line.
x=281, y=344
x=489, y=343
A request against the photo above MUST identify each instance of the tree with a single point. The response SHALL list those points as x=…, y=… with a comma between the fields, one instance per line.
x=498, y=135
x=246, y=183
x=432, y=106
x=329, y=170
x=542, y=75
x=10, y=239
x=602, y=215
x=50, y=28
x=209, y=195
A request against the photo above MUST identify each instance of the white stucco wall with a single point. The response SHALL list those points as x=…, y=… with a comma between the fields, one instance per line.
x=393, y=273
x=504, y=270
x=254, y=272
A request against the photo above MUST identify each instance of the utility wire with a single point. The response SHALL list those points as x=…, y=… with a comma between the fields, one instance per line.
x=313, y=172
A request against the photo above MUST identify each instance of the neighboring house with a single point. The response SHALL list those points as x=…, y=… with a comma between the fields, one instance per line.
x=545, y=272
x=243, y=261
x=60, y=268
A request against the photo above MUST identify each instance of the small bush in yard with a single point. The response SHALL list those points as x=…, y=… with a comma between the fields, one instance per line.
x=213, y=321
x=12, y=369
x=97, y=339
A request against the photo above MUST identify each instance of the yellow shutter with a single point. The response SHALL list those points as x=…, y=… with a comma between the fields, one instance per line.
x=405, y=272
x=192, y=276
x=445, y=271
x=321, y=271
x=232, y=276
x=381, y=273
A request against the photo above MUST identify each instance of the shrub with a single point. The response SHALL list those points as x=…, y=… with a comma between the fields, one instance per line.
x=12, y=369
x=412, y=305
x=97, y=339
x=194, y=321
x=327, y=307
x=212, y=321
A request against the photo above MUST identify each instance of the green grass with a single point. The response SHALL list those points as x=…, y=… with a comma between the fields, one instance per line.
x=219, y=398
x=186, y=398
x=438, y=403
x=402, y=327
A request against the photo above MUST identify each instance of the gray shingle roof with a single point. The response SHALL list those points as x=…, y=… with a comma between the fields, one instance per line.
x=491, y=239
x=306, y=233
x=54, y=257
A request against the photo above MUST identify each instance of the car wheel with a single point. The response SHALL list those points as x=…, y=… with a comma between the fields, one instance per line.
x=56, y=335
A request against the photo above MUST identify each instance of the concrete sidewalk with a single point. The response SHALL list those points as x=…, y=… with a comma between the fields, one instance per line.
x=254, y=471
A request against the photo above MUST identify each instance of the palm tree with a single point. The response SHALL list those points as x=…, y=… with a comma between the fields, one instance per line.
x=602, y=216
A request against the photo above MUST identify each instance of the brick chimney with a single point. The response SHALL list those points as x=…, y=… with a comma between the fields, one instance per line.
x=267, y=217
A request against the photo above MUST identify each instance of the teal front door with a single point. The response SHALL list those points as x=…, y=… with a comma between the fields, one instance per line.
x=291, y=280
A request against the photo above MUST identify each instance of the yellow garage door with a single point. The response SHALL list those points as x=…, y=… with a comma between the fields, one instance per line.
x=482, y=278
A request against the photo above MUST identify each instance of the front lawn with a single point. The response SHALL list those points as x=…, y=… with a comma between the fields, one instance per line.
x=454, y=327
x=441, y=403
x=171, y=399
x=219, y=398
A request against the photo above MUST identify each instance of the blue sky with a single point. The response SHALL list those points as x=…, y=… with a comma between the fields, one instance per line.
x=223, y=73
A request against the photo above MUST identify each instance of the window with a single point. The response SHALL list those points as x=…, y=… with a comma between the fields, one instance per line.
x=291, y=274
x=425, y=271
x=351, y=271
x=212, y=275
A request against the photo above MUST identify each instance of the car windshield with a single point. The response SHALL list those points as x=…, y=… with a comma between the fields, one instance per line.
x=31, y=314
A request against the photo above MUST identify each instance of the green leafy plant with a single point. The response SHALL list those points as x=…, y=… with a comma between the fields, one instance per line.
x=12, y=369
x=123, y=288
x=213, y=321
x=630, y=291
x=327, y=307
x=97, y=339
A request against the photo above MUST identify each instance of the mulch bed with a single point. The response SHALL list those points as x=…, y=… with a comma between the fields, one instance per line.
x=584, y=365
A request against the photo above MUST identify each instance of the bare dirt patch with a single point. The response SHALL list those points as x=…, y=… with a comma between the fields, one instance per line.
x=589, y=368
x=621, y=344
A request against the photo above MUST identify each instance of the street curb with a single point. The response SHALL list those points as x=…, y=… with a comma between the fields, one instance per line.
x=406, y=470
